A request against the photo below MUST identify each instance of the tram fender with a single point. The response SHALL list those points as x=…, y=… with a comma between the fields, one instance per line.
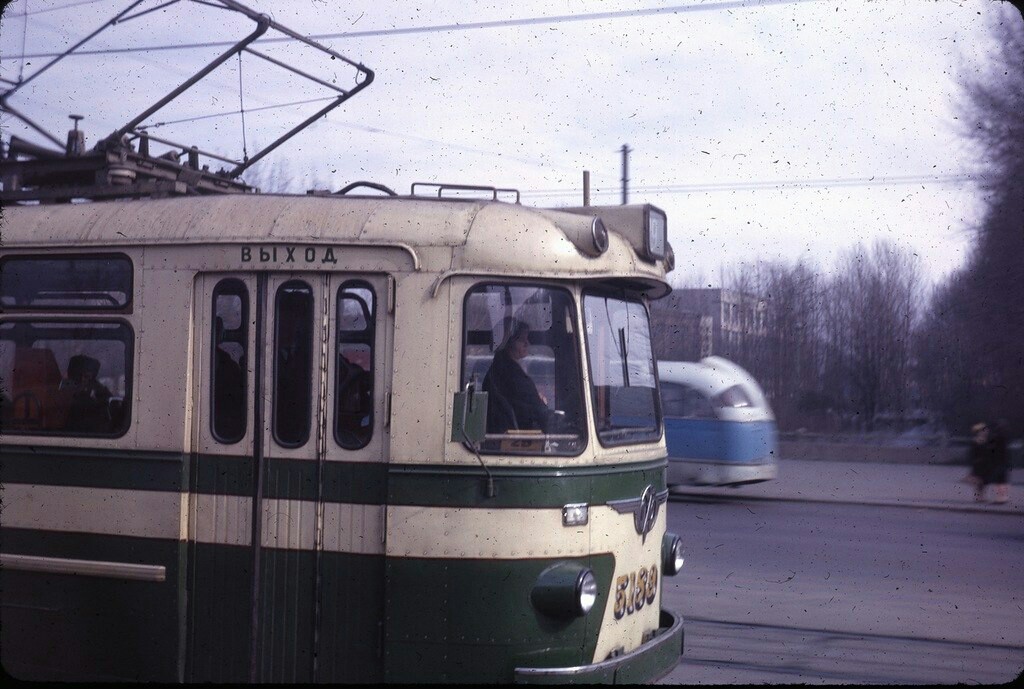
x=647, y=663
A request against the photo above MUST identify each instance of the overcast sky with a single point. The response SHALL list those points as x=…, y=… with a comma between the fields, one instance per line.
x=766, y=130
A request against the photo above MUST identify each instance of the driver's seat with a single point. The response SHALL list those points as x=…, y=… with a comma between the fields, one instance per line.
x=501, y=417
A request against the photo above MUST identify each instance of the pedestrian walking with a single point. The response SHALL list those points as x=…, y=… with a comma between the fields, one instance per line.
x=979, y=458
x=990, y=462
x=999, y=470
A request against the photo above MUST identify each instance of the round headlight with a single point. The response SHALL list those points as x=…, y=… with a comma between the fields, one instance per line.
x=586, y=591
x=565, y=590
x=600, y=234
x=672, y=554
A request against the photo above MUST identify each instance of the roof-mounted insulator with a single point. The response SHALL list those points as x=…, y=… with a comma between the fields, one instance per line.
x=76, y=139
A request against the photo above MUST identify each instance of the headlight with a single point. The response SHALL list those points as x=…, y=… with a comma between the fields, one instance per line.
x=586, y=591
x=671, y=554
x=565, y=590
x=600, y=235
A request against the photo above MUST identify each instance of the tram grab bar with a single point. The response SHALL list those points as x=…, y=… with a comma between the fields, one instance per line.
x=90, y=568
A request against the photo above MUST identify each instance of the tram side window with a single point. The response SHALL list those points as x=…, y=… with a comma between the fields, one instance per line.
x=733, y=396
x=88, y=282
x=229, y=345
x=293, y=346
x=353, y=383
x=520, y=345
x=672, y=399
x=684, y=402
x=65, y=378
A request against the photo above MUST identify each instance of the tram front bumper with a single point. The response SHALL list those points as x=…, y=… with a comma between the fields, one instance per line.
x=647, y=663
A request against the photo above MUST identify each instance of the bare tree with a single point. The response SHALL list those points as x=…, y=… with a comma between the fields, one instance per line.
x=972, y=342
x=870, y=315
x=791, y=346
x=780, y=338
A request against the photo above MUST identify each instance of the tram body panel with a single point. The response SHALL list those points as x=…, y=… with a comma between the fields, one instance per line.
x=92, y=527
x=134, y=557
x=476, y=565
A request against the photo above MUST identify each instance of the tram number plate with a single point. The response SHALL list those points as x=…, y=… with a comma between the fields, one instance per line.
x=635, y=590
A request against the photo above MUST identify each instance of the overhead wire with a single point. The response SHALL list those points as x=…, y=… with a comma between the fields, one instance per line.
x=527, y=21
x=462, y=26
x=172, y=69
x=60, y=7
x=706, y=187
x=700, y=187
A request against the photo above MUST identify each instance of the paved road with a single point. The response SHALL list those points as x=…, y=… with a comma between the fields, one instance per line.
x=826, y=576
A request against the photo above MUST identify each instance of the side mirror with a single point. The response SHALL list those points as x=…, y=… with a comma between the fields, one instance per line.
x=469, y=415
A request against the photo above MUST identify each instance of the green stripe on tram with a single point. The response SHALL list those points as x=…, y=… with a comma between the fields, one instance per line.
x=368, y=483
x=92, y=468
x=292, y=479
x=535, y=487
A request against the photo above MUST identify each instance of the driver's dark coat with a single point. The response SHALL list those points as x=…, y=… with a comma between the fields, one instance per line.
x=507, y=380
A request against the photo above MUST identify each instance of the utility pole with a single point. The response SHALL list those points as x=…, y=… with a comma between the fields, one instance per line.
x=625, y=174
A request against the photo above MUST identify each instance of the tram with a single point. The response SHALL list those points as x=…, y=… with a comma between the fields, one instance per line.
x=719, y=427
x=243, y=441
x=326, y=437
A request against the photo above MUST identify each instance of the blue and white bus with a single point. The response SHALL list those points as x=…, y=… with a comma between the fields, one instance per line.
x=719, y=427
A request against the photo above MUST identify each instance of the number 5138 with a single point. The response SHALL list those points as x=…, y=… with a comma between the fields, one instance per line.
x=634, y=590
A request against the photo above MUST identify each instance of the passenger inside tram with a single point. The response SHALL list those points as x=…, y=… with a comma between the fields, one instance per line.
x=514, y=402
x=90, y=399
x=229, y=389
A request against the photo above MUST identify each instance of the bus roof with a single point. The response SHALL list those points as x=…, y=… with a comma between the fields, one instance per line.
x=446, y=235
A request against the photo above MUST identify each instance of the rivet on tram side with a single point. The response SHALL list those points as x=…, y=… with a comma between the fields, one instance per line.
x=575, y=514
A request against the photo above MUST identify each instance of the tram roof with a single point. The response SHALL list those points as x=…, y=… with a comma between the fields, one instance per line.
x=446, y=235
x=711, y=375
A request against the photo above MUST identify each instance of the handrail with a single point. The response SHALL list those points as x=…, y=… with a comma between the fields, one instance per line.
x=442, y=186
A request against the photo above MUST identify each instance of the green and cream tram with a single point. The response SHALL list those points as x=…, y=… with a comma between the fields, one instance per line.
x=251, y=438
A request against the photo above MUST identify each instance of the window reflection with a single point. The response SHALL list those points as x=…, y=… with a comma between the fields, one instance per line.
x=230, y=341
x=621, y=370
x=65, y=378
x=353, y=413
x=520, y=346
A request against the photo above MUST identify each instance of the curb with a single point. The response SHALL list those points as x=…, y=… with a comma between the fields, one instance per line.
x=967, y=508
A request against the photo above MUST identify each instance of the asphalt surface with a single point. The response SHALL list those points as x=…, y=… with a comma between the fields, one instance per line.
x=922, y=486
x=824, y=576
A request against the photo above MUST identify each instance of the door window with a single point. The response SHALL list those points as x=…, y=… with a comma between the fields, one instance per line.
x=353, y=384
x=293, y=359
x=229, y=345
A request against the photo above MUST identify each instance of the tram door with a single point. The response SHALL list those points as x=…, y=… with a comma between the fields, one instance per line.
x=285, y=576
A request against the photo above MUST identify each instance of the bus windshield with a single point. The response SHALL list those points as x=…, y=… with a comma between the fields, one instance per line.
x=622, y=377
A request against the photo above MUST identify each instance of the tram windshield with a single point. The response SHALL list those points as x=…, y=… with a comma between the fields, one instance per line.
x=623, y=384
x=521, y=347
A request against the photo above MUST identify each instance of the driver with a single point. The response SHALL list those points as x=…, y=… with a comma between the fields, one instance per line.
x=518, y=405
